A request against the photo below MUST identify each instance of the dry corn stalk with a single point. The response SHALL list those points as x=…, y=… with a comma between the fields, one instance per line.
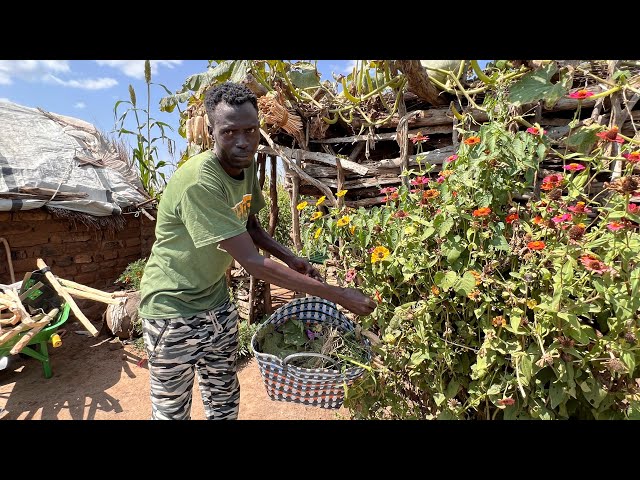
x=273, y=111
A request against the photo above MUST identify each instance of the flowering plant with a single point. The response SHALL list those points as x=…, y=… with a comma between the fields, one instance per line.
x=496, y=301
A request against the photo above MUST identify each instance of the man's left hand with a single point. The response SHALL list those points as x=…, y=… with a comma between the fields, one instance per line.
x=303, y=266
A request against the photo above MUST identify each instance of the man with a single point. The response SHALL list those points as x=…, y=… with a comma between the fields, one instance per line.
x=207, y=218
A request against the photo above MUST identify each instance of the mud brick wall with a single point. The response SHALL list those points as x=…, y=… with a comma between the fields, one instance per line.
x=73, y=251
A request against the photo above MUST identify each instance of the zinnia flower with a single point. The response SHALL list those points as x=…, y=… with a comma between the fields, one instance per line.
x=302, y=205
x=537, y=220
x=419, y=138
x=481, y=212
x=632, y=157
x=321, y=200
x=318, y=232
x=451, y=158
x=316, y=215
x=611, y=135
x=400, y=214
x=633, y=208
x=581, y=94
x=506, y=401
x=511, y=217
x=592, y=264
x=387, y=190
x=429, y=194
x=537, y=245
x=615, y=226
x=471, y=141
x=341, y=193
x=579, y=207
x=574, y=167
x=343, y=221
x=419, y=181
x=435, y=290
x=351, y=275
x=499, y=321
x=565, y=217
x=477, y=276
x=535, y=130
x=379, y=254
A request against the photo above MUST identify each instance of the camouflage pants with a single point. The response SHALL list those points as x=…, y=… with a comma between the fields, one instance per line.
x=206, y=343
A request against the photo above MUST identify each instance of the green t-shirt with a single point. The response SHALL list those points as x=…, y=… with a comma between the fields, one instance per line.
x=200, y=206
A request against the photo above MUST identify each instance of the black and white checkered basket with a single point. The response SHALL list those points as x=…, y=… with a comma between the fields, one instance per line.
x=320, y=387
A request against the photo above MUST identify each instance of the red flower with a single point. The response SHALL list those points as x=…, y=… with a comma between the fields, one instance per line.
x=611, y=135
x=419, y=138
x=511, y=217
x=506, y=401
x=537, y=220
x=633, y=208
x=538, y=245
x=579, y=208
x=633, y=157
x=551, y=181
x=471, y=141
x=535, y=131
x=581, y=94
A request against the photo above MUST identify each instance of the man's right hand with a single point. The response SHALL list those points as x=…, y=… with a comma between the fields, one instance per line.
x=357, y=302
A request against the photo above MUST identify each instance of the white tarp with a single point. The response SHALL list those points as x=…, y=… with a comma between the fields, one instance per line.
x=56, y=152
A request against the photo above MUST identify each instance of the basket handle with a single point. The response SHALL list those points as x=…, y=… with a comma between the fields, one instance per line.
x=288, y=358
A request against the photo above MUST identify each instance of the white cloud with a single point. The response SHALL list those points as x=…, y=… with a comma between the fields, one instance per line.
x=84, y=83
x=80, y=105
x=135, y=68
x=348, y=68
x=30, y=70
x=3, y=99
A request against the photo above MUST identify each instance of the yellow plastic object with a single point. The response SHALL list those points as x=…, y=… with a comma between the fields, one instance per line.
x=56, y=341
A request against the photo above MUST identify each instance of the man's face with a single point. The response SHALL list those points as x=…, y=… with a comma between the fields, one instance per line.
x=236, y=131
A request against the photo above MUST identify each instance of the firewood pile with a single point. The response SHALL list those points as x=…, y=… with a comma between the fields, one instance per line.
x=30, y=305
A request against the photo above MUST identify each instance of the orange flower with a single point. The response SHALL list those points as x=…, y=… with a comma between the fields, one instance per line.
x=538, y=245
x=475, y=295
x=537, y=220
x=481, y=212
x=477, y=276
x=446, y=173
x=499, y=321
x=471, y=141
x=419, y=138
x=633, y=157
x=429, y=194
x=435, y=290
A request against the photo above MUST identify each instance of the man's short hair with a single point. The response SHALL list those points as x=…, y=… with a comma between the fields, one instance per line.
x=229, y=93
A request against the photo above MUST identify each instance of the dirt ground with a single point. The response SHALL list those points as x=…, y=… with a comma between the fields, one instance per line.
x=99, y=379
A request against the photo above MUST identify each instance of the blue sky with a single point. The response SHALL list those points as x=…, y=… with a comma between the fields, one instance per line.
x=89, y=89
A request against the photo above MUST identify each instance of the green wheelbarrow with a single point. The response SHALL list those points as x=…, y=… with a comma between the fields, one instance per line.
x=37, y=346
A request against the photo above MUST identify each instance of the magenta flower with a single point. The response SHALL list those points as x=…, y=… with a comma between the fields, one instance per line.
x=579, y=208
x=452, y=158
x=566, y=217
x=632, y=157
x=633, y=208
x=351, y=275
x=387, y=190
x=615, y=226
x=440, y=179
x=312, y=335
x=574, y=167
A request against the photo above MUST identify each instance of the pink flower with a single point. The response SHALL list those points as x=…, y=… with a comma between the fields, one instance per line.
x=633, y=208
x=592, y=264
x=633, y=157
x=419, y=138
x=440, y=179
x=452, y=158
x=351, y=275
x=387, y=190
x=615, y=226
x=420, y=181
x=574, y=167
x=581, y=94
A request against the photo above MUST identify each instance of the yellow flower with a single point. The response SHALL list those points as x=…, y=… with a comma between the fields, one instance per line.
x=410, y=230
x=379, y=254
x=446, y=173
x=341, y=193
x=531, y=303
x=302, y=205
x=352, y=229
x=435, y=290
x=316, y=215
x=321, y=200
x=318, y=232
x=343, y=221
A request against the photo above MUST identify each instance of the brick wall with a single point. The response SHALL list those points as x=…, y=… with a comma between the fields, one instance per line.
x=76, y=252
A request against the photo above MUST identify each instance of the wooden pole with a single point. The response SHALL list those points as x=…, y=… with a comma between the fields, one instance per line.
x=64, y=294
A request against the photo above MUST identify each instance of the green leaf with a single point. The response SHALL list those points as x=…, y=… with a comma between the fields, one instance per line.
x=452, y=389
x=304, y=75
x=629, y=360
x=584, y=138
x=526, y=369
x=240, y=69
x=427, y=233
x=557, y=394
x=466, y=284
x=439, y=398
x=500, y=243
x=593, y=392
x=536, y=85
x=445, y=226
